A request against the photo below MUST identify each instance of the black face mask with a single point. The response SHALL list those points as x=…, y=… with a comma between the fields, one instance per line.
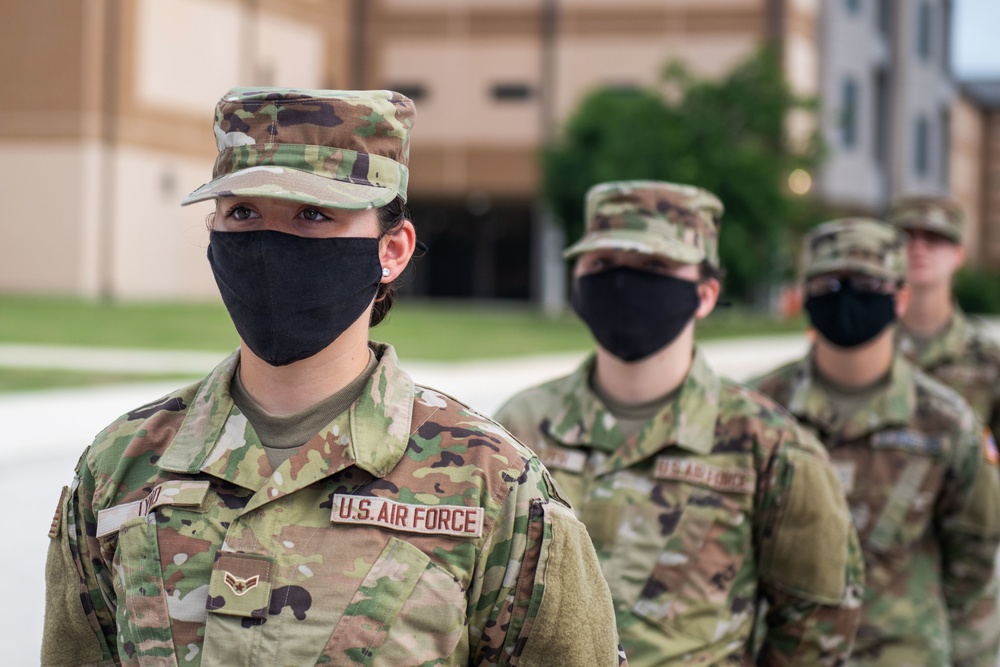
x=291, y=296
x=851, y=317
x=634, y=313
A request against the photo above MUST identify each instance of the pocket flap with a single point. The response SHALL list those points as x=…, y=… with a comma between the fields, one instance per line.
x=240, y=585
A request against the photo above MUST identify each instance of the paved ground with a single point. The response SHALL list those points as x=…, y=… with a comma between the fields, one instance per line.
x=44, y=433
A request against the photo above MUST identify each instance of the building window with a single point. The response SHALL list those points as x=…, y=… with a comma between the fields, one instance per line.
x=883, y=15
x=512, y=92
x=880, y=136
x=849, y=114
x=921, y=147
x=945, y=152
x=415, y=91
x=852, y=6
x=924, y=31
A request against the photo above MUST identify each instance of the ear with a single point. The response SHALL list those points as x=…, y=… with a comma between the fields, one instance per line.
x=902, y=301
x=959, y=257
x=396, y=249
x=708, y=293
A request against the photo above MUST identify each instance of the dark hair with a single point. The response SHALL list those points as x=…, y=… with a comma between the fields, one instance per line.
x=707, y=272
x=390, y=220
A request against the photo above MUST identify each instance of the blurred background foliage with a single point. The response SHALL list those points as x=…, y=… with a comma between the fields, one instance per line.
x=978, y=291
x=726, y=135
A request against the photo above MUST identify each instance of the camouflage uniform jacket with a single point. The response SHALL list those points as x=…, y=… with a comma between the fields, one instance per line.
x=720, y=500
x=408, y=531
x=926, y=504
x=966, y=359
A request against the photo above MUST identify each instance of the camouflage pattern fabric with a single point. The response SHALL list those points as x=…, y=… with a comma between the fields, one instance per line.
x=965, y=358
x=342, y=149
x=860, y=245
x=919, y=475
x=679, y=222
x=408, y=531
x=718, y=502
x=940, y=215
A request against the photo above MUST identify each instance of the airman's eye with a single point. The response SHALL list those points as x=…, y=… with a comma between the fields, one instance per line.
x=314, y=215
x=241, y=213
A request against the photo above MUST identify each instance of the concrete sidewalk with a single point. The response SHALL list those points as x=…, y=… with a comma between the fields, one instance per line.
x=69, y=418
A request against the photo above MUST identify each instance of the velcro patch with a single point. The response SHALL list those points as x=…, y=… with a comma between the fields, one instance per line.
x=845, y=472
x=690, y=470
x=911, y=441
x=181, y=493
x=571, y=460
x=455, y=520
x=990, y=452
x=57, y=517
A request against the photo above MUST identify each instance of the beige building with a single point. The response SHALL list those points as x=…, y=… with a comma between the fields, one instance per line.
x=975, y=172
x=105, y=123
x=106, y=120
x=493, y=79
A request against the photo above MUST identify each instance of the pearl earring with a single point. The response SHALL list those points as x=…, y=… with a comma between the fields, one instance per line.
x=385, y=272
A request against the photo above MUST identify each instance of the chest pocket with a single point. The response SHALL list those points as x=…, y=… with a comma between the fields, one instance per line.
x=677, y=556
x=129, y=540
x=406, y=611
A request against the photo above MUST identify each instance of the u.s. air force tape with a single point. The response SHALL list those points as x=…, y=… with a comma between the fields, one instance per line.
x=455, y=520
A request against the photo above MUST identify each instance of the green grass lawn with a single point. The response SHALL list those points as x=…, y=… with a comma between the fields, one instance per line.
x=418, y=330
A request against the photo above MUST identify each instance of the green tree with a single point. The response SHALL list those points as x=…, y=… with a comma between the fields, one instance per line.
x=727, y=136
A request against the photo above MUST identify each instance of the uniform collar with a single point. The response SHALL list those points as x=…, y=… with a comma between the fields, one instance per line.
x=895, y=405
x=687, y=422
x=947, y=345
x=373, y=434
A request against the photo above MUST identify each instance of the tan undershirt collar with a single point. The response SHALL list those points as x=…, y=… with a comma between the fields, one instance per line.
x=283, y=435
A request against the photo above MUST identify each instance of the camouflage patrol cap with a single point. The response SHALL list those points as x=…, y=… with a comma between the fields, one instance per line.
x=679, y=222
x=937, y=214
x=336, y=148
x=861, y=245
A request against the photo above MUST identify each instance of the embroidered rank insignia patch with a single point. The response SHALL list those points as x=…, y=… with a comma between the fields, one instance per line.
x=690, y=470
x=241, y=586
x=990, y=452
x=454, y=520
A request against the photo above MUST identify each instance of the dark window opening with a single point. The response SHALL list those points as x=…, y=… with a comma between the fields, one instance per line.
x=945, y=152
x=884, y=17
x=924, y=31
x=882, y=111
x=512, y=92
x=849, y=114
x=415, y=91
x=921, y=147
x=483, y=253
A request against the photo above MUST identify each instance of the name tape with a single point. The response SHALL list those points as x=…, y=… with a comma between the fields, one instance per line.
x=186, y=493
x=455, y=520
x=689, y=470
x=907, y=440
x=564, y=459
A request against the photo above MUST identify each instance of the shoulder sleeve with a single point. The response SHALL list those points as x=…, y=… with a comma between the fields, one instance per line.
x=78, y=627
x=542, y=600
x=968, y=522
x=520, y=414
x=811, y=565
